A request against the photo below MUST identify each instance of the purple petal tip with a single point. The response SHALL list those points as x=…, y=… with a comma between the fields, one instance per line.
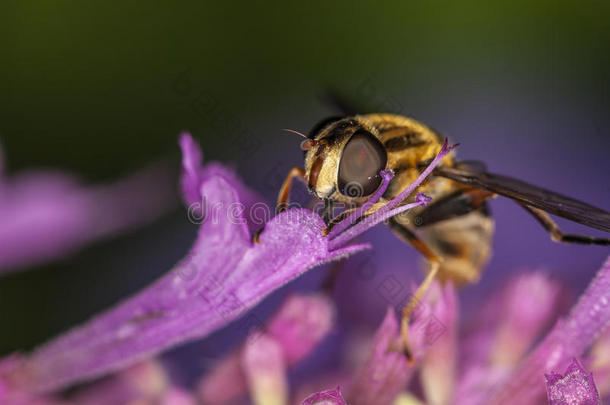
x=576, y=386
x=423, y=199
x=330, y=397
x=387, y=174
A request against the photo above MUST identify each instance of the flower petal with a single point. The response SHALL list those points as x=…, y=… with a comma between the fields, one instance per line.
x=438, y=366
x=600, y=366
x=505, y=329
x=47, y=215
x=385, y=372
x=194, y=174
x=223, y=277
x=576, y=386
x=528, y=306
x=225, y=383
x=406, y=398
x=568, y=339
x=300, y=324
x=145, y=381
x=265, y=371
x=330, y=397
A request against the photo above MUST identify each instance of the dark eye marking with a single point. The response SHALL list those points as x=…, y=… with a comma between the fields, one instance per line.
x=408, y=140
x=362, y=159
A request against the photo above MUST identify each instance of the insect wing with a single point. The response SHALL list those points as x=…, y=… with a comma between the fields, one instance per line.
x=529, y=194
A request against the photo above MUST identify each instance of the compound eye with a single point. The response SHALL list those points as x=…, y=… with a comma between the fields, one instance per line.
x=362, y=159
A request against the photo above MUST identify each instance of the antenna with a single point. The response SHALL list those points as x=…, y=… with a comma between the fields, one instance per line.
x=295, y=132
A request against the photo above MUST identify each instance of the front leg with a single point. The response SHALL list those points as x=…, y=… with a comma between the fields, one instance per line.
x=283, y=197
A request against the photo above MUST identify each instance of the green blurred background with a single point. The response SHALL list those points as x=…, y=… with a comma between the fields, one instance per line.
x=102, y=88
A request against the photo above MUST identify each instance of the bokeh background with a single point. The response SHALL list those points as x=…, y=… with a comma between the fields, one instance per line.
x=101, y=89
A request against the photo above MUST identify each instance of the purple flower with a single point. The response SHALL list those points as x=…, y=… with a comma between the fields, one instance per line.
x=47, y=215
x=600, y=363
x=145, y=381
x=506, y=328
x=576, y=386
x=385, y=372
x=300, y=324
x=265, y=371
x=224, y=275
x=228, y=272
x=568, y=339
x=484, y=377
x=439, y=320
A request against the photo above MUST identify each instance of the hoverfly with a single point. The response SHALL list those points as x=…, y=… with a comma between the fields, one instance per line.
x=344, y=155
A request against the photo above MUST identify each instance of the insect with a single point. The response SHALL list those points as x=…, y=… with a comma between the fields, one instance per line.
x=343, y=158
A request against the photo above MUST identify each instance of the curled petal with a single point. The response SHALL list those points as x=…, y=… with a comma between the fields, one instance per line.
x=192, y=161
x=194, y=174
x=330, y=397
x=576, y=386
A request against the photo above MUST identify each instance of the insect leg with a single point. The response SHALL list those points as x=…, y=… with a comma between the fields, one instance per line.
x=412, y=304
x=284, y=195
x=344, y=214
x=412, y=239
x=336, y=219
x=329, y=208
x=556, y=235
x=435, y=261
